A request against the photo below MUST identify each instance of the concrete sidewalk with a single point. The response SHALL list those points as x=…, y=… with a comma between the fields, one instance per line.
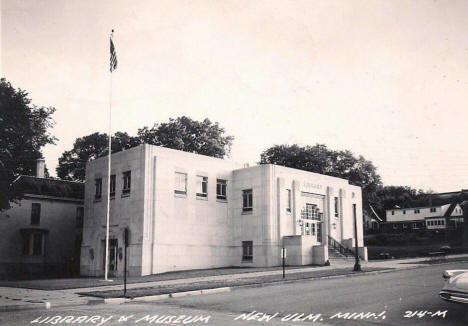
x=19, y=298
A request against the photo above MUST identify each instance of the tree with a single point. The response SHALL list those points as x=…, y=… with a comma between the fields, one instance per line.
x=189, y=135
x=23, y=132
x=389, y=197
x=182, y=133
x=72, y=163
x=321, y=159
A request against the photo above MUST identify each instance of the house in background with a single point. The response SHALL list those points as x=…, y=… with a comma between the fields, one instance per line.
x=41, y=234
x=188, y=211
x=438, y=217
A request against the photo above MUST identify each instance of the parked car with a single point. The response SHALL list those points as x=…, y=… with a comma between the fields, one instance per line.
x=456, y=286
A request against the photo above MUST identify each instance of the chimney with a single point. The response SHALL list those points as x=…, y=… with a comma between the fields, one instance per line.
x=40, y=166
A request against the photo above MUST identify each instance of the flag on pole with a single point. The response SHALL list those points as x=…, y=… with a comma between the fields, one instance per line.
x=113, y=55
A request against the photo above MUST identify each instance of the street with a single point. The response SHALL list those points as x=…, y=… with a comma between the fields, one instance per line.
x=398, y=298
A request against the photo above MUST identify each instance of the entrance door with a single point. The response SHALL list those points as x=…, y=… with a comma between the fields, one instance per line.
x=113, y=252
x=311, y=218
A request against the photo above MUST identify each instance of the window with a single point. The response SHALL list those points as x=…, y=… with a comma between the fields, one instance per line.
x=247, y=250
x=336, y=207
x=127, y=182
x=35, y=214
x=414, y=226
x=34, y=244
x=393, y=212
x=202, y=186
x=311, y=212
x=98, y=185
x=288, y=198
x=442, y=222
x=433, y=209
x=247, y=200
x=221, y=187
x=180, y=183
x=112, y=185
x=404, y=212
x=416, y=211
x=405, y=226
x=79, y=216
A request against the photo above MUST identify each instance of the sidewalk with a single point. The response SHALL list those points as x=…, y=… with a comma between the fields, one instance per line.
x=12, y=298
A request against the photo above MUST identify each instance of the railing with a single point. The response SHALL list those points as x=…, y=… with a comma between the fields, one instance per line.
x=332, y=243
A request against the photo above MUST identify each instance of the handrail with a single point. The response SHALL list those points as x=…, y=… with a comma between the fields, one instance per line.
x=338, y=246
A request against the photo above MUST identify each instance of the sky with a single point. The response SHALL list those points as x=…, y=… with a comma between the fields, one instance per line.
x=387, y=80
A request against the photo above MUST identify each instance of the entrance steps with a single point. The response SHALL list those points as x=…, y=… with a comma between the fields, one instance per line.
x=335, y=256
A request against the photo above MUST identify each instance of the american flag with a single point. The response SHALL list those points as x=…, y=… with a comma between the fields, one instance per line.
x=113, y=56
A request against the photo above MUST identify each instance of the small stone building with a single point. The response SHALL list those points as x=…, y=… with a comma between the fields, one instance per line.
x=188, y=211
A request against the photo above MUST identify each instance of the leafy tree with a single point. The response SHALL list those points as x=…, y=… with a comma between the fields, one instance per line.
x=388, y=197
x=23, y=132
x=321, y=159
x=72, y=163
x=182, y=133
x=185, y=134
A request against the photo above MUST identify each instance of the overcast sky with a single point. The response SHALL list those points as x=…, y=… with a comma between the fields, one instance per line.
x=384, y=79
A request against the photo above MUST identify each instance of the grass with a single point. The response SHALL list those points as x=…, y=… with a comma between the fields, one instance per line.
x=84, y=282
x=167, y=289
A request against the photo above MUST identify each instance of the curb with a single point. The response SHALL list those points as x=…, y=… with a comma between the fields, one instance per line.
x=47, y=305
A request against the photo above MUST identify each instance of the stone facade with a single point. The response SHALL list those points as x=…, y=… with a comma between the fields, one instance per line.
x=188, y=211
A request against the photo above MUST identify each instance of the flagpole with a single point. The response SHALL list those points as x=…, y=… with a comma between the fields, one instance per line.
x=106, y=268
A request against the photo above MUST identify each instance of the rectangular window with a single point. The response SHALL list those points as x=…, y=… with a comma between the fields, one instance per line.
x=98, y=187
x=416, y=211
x=202, y=186
x=247, y=200
x=288, y=198
x=433, y=209
x=127, y=182
x=33, y=244
x=393, y=212
x=221, y=189
x=35, y=214
x=336, y=207
x=404, y=212
x=112, y=185
x=79, y=216
x=247, y=250
x=180, y=183
x=404, y=226
x=414, y=226
x=442, y=222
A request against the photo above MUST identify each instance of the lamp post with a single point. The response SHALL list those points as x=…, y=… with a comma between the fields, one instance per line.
x=357, y=266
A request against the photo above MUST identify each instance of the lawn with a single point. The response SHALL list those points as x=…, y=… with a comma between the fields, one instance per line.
x=251, y=281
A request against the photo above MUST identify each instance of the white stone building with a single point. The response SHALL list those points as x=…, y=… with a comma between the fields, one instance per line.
x=188, y=211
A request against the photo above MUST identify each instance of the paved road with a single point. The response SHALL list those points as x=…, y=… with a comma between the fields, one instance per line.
x=388, y=295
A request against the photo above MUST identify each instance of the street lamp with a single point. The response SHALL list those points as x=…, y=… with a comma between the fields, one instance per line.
x=357, y=266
